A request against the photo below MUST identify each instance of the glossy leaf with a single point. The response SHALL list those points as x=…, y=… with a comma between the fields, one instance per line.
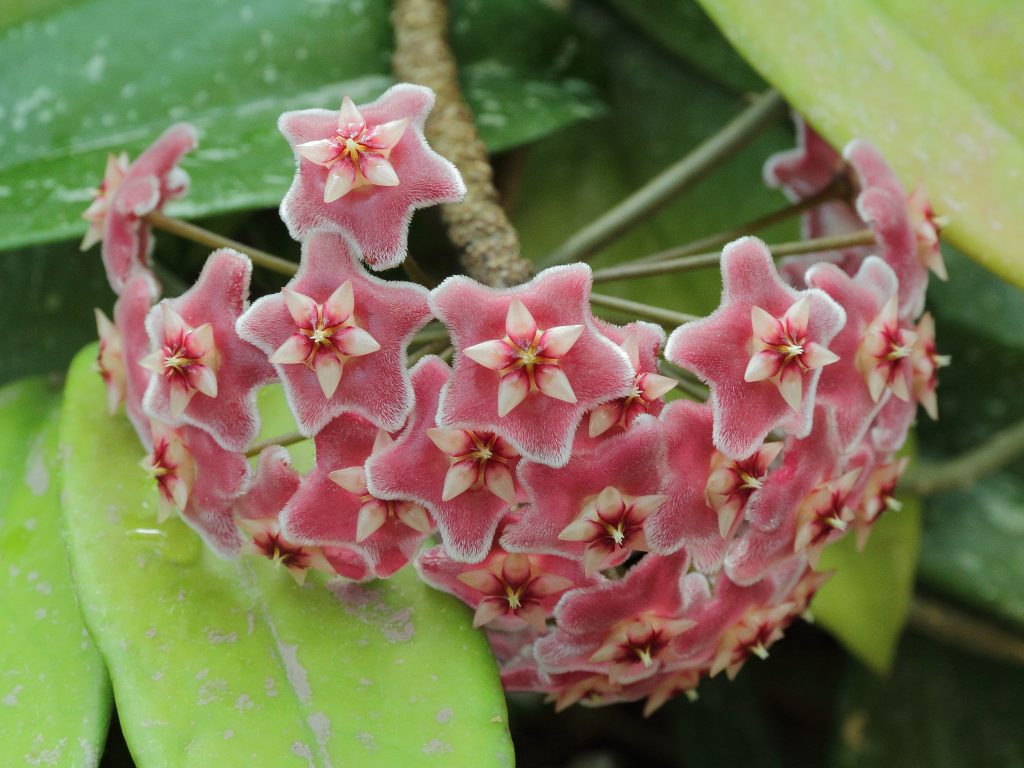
x=941, y=708
x=103, y=76
x=972, y=545
x=936, y=88
x=55, y=699
x=220, y=662
x=866, y=602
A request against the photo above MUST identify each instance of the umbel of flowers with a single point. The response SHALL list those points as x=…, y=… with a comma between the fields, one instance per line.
x=613, y=547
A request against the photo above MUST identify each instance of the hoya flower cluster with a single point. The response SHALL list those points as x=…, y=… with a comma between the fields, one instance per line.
x=613, y=547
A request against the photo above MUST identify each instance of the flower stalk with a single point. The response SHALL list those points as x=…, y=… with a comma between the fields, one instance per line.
x=675, y=179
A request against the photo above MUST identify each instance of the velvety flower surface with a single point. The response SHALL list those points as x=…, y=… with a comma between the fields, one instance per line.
x=320, y=336
x=130, y=191
x=334, y=508
x=464, y=478
x=595, y=507
x=205, y=375
x=130, y=313
x=761, y=352
x=364, y=170
x=529, y=362
x=110, y=361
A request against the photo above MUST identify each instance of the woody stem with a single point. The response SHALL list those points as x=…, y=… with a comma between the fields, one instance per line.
x=965, y=470
x=291, y=438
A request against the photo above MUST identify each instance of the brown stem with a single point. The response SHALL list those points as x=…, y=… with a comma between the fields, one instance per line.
x=478, y=225
x=213, y=240
x=963, y=630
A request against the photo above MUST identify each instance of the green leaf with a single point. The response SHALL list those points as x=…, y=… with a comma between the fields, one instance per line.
x=866, y=602
x=54, y=693
x=972, y=545
x=85, y=88
x=682, y=28
x=659, y=108
x=219, y=662
x=941, y=708
x=937, y=89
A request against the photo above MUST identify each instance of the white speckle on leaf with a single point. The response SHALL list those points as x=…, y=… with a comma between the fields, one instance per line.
x=269, y=74
x=202, y=673
x=228, y=734
x=270, y=687
x=245, y=12
x=11, y=699
x=368, y=605
x=367, y=740
x=216, y=637
x=44, y=587
x=444, y=715
x=37, y=476
x=40, y=614
x=5, y=191
x=45, y=756
x=93, y=69
x=436, y=747
x=320, y=724
x=243, y=702
x=211, y=691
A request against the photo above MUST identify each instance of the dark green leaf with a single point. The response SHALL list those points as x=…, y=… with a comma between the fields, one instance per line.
x=942, y=708
x=100, y=76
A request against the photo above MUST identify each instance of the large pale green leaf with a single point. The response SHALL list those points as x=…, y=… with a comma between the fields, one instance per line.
x=659, y=108
x=941, y=708
x=936, y=86
x=54, y=694
x=220, y=662
x=865, y=603
x=100, y=76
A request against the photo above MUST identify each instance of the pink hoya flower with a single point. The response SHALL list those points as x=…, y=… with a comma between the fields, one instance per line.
x=464, y=477
x=257, y=511
x=110, y=361
x=130, y=313
x=200, y=480
x=594, y=508
x=529, y=360
x=926, y=362
x=877, y=496
x=364, y=170
x=884, y=354
x=707, y=492
x=641, y=342
x=761, y=352
x=337, y=337
x=508, y=591
x=824, y=515
x=853, y=387
x=622, y=628
x=205, y=375
x=334, y=508
x=127, y=194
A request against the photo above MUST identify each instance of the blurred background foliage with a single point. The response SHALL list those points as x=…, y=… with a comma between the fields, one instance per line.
x=580, y=103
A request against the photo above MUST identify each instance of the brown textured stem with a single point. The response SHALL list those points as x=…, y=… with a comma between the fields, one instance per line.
x=488, y=244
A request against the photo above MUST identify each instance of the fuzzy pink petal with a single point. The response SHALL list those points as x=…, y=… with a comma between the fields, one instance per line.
x=376, y=216
x=539, y=426
x=717, y=348
x=222, y=477
x=130, y=318
x=219, y=297
x=467, y=521
x=377, y=384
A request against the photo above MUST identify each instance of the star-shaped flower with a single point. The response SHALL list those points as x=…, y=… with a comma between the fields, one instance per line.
x=844, y=386
x=110, y=361
x=336, y=329
x=364, y=170
x=926, y=362
x=507, y=591
x=465, y=478
x=707, y=491
x=205, y=375
x=641, y=342
x=529, y=360
x=596, y=506
x=623, y=628
x=761, y=352
x=200, y=480
x=334, y=508
x=127, y=194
